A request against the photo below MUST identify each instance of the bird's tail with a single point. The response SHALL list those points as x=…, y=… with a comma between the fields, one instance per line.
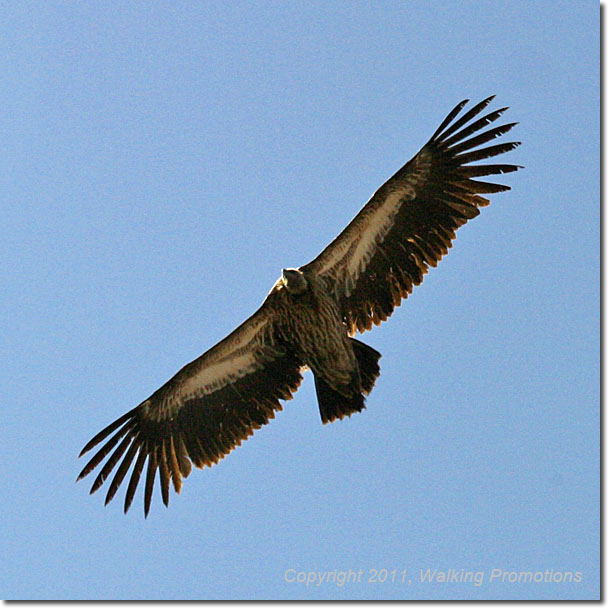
x=337, y=403
x=334, y=404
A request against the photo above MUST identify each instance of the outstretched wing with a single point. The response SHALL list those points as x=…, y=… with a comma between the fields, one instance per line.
x=411, y=220
x=201, y=414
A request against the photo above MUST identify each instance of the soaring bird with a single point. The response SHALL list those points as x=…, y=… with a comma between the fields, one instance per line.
x=310, y=317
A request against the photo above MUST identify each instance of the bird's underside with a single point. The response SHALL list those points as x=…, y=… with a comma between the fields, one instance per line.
x=309, y=319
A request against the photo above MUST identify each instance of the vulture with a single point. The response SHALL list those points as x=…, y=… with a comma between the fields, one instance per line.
x=309, y=319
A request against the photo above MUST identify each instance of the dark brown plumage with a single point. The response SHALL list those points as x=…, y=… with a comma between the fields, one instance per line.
x=308, y=319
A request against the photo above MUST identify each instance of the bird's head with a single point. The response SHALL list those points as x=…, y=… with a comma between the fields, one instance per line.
x=294, y=281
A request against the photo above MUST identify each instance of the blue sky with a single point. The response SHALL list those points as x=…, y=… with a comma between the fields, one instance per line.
x=161, y=164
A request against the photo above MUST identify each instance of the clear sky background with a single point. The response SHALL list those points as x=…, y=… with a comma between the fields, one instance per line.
x=161, y=164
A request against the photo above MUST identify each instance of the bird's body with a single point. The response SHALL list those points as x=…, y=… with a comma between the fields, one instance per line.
x=310, y=323
x=310, y=326
x=309, y=319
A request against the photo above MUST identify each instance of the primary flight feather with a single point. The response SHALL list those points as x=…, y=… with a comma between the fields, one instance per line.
x=308, y=319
